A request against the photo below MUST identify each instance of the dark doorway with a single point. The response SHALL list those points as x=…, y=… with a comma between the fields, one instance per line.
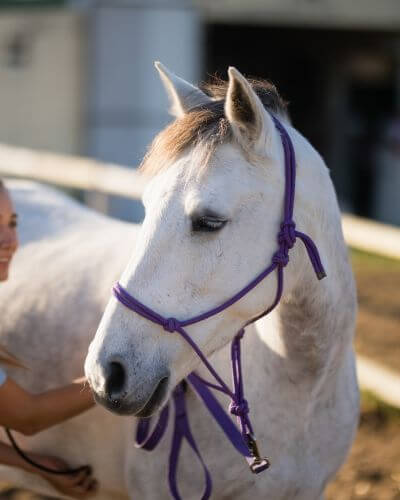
x=331, y=89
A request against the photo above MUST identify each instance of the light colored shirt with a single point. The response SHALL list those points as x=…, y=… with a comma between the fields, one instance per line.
x=3, y=376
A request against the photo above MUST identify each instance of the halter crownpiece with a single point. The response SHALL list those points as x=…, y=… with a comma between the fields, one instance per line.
x=243, y=440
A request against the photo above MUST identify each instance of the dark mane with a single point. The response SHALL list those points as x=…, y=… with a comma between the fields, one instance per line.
x=205, y=125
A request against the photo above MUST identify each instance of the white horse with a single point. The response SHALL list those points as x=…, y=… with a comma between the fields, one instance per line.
x=213, y=209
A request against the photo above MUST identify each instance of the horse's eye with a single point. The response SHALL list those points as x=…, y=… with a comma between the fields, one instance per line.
x=208, y=223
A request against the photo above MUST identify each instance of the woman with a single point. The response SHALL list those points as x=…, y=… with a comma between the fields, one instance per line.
x=30, y=413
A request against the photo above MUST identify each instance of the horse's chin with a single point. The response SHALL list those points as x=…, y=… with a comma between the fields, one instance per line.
x=156, y=400
x=149, y=408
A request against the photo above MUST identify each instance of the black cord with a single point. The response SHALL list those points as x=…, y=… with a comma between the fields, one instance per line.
x=39, y=466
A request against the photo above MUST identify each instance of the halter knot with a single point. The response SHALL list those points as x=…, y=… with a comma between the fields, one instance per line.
x=287, y=234
x=281, y=257
x=239, y=409
x=171, y=325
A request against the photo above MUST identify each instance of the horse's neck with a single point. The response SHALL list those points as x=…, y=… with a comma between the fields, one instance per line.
x=309, y=333
x=315, y=319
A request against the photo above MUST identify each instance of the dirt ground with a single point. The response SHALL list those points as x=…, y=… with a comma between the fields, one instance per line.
x=372, y=471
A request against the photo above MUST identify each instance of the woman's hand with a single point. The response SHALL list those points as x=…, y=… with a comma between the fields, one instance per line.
x=79, y=485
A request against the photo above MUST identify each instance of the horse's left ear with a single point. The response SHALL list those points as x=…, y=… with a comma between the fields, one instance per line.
x=182, y=94
x=251, y=123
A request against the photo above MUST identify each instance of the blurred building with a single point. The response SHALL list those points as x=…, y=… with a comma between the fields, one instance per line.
x=77, y=76
x=338, y=64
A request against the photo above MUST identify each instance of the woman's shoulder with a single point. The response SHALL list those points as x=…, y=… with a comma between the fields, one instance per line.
x=3, y=375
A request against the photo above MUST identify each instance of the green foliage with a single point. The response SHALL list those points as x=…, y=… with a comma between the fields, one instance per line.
x=369, y=261
x=371, y=404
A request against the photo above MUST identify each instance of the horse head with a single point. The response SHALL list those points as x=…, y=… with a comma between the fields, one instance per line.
x=213, y=205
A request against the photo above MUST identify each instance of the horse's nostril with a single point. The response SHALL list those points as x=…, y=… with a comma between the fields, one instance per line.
x=115, y=380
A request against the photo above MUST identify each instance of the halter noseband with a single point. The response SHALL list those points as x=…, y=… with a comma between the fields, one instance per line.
x=242, y=440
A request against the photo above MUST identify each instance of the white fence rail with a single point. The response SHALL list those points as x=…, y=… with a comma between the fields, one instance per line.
x=371, y=236
x=379, y=380
x=70, y=172
x=90, y=175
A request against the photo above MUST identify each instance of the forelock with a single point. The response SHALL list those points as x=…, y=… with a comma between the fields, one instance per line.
x=204, y=127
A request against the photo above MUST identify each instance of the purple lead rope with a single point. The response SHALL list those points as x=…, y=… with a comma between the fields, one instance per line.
x=243, y=440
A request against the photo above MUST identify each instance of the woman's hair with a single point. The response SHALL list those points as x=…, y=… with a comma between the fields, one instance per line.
x=6, y=358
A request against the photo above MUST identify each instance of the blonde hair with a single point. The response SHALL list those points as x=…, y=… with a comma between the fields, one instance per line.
x=9, y=359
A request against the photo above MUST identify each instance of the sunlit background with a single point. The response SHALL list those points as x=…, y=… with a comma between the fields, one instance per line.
x=77, y=78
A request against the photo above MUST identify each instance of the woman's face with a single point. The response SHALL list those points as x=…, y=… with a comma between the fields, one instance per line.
x=8, y=233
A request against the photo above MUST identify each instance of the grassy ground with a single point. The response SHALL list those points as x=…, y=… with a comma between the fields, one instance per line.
x=378, y=325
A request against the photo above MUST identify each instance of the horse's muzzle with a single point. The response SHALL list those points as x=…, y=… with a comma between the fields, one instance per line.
x=122, y=403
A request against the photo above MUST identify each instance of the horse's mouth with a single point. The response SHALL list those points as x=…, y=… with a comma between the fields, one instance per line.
x=125, y=407
x=155, y=400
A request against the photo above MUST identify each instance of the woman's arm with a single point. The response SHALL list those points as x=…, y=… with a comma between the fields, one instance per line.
x=31, y=413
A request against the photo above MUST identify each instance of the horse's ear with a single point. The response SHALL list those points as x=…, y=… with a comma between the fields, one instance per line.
x=182, y=94
x=251, y=123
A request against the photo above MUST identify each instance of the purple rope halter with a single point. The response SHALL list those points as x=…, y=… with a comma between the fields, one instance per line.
x=242, y=440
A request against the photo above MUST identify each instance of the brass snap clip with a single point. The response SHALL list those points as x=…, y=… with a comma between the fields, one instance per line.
x=259, y=463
